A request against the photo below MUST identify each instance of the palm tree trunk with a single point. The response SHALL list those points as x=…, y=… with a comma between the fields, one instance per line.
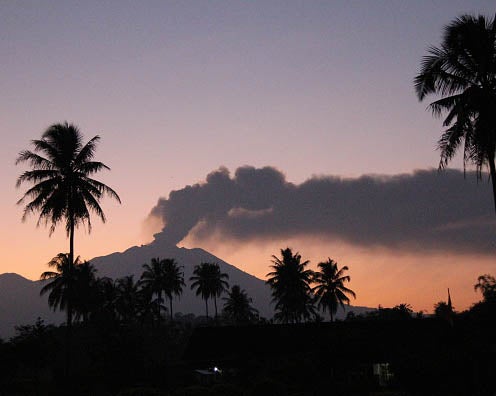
x=206, y=306
x=332, y=316
x=69, y=315
x=492, y=170
x=71, y=233
x=71, y=243
x=69, y=303
x=170, y=305
x=215, y=305
x=68, y=343
x=159, y=307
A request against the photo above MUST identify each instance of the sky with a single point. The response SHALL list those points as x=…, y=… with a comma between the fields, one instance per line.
x=299, y=100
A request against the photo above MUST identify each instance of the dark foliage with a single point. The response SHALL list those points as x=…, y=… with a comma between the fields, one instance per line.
x=462, y=71
x=209, y=283
x=291, y=291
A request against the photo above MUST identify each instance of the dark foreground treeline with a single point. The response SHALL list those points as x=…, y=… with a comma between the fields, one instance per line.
x=452, y=355
x=105, y=358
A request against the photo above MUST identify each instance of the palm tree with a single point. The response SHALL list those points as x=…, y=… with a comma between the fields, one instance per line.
x=237, y=306
x=127, y=298
x=72, y=288
x=153, y=280
x=463, y=72
x=174, y=281
x=61, y=288
x=290, y=284
x=62, y=188
x=330, y=289
x=85, y=290
x=105, y=299
x=209, y=282
x=403, y=311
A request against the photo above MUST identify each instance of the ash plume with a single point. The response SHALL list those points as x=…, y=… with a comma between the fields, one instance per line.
x=426, y=209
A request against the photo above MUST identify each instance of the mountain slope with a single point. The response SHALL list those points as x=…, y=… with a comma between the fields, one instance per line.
x=131, y=261
x=20, y=303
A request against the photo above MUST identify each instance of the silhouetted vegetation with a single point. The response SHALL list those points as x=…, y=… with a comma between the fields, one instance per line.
x=124, y=344
x=486, y=284
x=291, y=290
x=442, y=310
x=330, y=290
x=237, y=307
x=209, y=282
x=162, y=276
x=63, y=190
x=463, y=72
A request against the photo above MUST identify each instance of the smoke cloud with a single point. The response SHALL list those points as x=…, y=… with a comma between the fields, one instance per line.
x=426, y=210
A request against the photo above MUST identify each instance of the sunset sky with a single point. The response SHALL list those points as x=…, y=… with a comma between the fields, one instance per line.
x=312, y=89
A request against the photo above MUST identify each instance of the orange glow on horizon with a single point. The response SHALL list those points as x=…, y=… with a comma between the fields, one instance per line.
x=378, y=276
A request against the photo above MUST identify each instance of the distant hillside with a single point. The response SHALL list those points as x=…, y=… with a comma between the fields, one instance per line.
x=131, y=261
x=20, y=302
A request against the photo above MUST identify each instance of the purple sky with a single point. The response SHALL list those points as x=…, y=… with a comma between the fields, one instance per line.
x=178, y=89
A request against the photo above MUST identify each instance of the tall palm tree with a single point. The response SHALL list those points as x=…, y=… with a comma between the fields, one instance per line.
x=62, y=189
x=237, y=306
x=62, y=286
x=330, y=290
x=174, y=281
x=290, y=284
x=72, y=287
x=209, y=282
x=153, y=280
x=462, y=71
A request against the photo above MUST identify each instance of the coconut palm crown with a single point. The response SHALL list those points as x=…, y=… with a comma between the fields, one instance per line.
x=462, y=71
x=163, y=276
x=238, y=307
x=330, y=289
x=209, y=282
x=62, y=189
x=290, y=284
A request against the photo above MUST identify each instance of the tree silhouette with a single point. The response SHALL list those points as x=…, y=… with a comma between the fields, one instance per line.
x=127, y=298
x=209, y=282
x=486, y=284
x=330, y=290
x=403, y=310
x=290, y=284
x=85, y=290
x=153, y=280
x=237, y=306
x=62, y=189
x=174, y=281
x=463, y=72
x=104, y=309
x=62, y=286
x=443, y=310
x=73, y=288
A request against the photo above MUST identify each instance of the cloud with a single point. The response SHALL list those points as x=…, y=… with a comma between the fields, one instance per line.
x=427, y=210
